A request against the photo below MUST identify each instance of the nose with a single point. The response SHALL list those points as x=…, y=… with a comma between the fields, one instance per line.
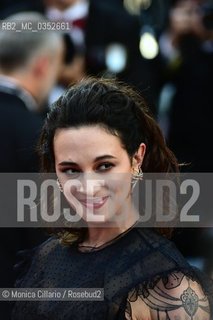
x=90, y=184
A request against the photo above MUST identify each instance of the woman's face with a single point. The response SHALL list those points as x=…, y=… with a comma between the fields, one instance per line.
x=94, y=168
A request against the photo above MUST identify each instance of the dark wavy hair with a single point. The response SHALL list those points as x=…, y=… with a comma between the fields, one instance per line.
x=122, y=112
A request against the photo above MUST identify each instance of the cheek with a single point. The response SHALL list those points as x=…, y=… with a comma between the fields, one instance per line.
x=120, y=185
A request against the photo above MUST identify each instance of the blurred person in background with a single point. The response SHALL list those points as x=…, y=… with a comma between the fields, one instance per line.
x=29, y=66
x=106, y=42
x=185, y=108
x=75, y=12
x=187, y=48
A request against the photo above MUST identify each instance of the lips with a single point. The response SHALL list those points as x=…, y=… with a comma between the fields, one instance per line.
x=94, y=203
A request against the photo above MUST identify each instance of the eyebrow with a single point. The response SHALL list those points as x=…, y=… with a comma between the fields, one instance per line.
x=105, y=156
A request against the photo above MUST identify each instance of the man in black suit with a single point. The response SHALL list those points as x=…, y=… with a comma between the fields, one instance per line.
x=29, y=65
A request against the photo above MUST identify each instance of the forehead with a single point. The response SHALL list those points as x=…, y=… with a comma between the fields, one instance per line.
x=86, y=142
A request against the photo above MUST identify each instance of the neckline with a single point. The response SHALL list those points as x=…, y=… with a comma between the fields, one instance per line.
x=90, y=249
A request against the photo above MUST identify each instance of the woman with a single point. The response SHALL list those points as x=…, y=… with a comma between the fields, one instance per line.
x=100, y=135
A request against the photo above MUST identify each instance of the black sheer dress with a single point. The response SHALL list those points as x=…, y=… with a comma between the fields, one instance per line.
x=135, y=260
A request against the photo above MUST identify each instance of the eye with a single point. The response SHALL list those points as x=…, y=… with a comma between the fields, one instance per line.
x=105, y=166
x=71, y=172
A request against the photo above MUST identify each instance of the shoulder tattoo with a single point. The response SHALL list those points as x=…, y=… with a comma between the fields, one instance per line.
x=175, y=297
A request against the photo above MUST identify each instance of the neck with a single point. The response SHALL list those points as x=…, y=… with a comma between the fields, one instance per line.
x=23, y=81
x=99, y=235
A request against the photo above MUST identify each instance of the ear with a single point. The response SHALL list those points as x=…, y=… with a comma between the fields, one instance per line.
x=41, y=66
x=138, y=157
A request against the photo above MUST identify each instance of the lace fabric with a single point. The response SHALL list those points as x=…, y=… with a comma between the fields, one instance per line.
x=137, y=261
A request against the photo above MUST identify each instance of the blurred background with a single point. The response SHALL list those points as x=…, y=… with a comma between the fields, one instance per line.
x=164, y=48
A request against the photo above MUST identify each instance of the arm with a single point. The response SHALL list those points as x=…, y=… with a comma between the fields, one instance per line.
x=175, y=297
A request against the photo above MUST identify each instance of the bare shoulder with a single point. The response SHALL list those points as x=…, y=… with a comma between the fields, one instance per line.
x=175, y=297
